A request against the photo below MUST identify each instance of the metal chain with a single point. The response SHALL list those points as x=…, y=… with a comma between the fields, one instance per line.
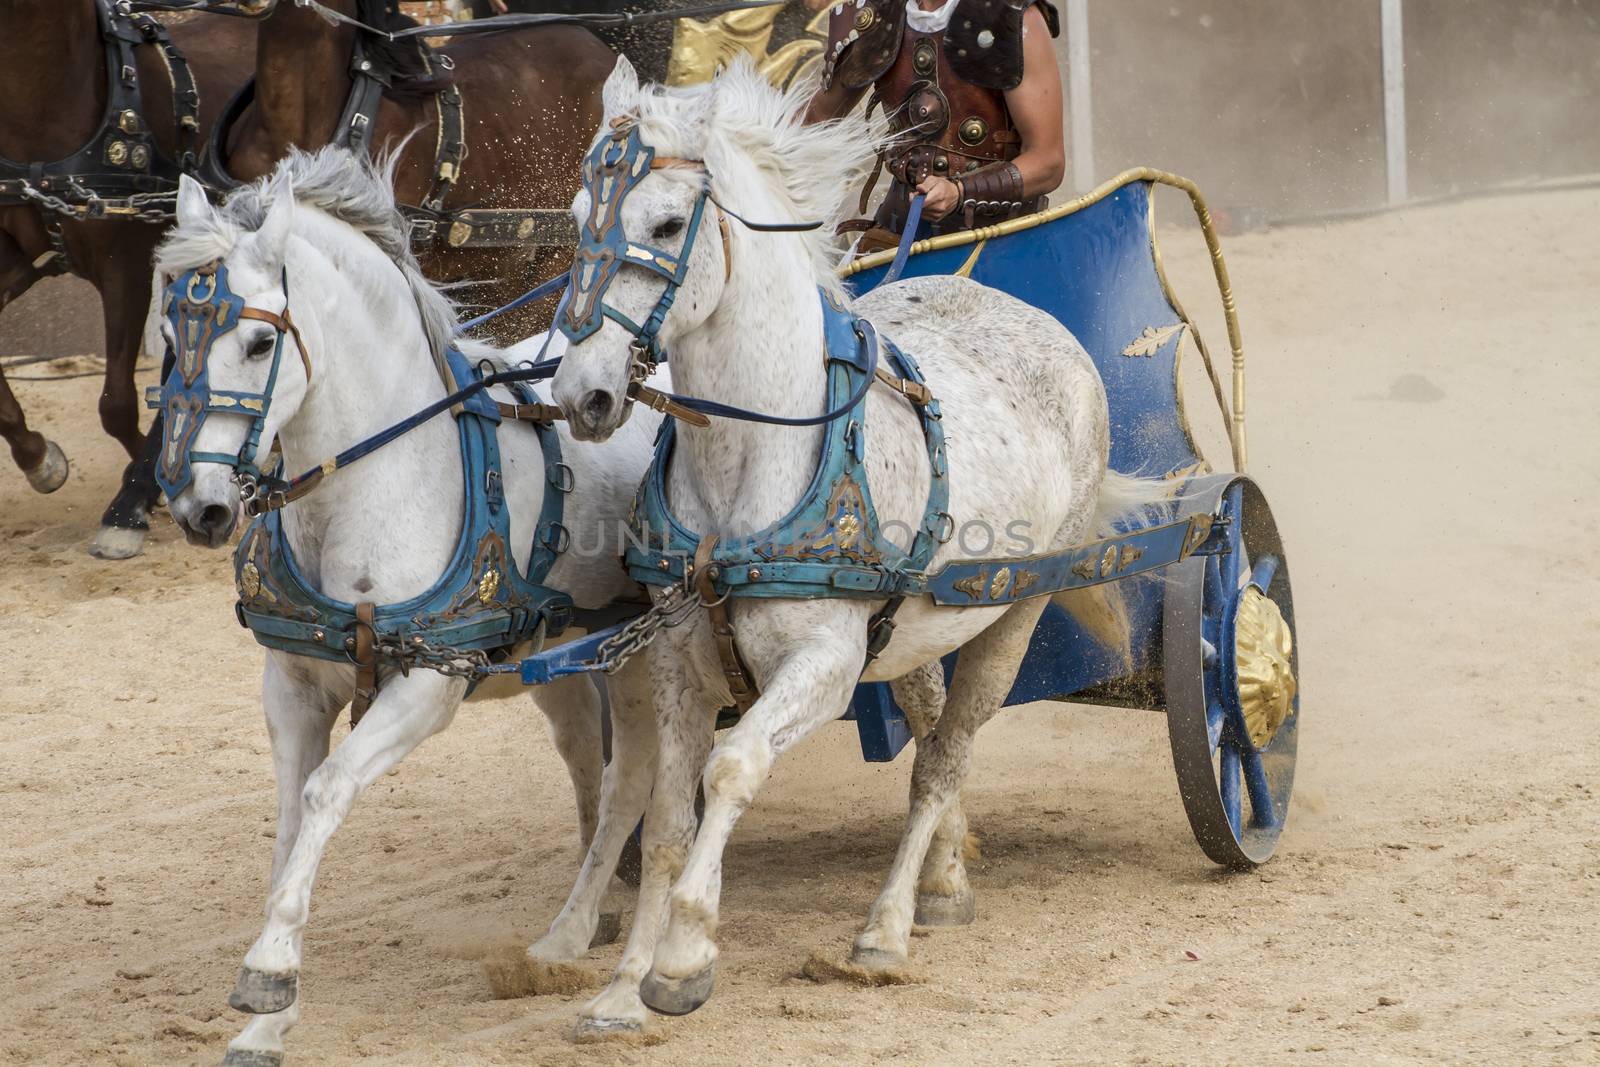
x=670, y=610
x=454, y=662
x=131, y=208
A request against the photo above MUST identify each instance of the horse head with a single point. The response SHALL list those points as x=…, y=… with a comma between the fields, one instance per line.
x=231, y=389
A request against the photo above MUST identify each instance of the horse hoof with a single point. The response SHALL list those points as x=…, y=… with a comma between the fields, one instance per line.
x=260, y=993
x=588, y=1030
x=936, y=910
x=114, y=542
x=878, y=960
x=252, y=1057
x=51, y=473
x=607, y=930
x=677, y=996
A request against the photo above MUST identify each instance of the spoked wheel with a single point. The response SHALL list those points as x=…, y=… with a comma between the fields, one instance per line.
x=1232, y=669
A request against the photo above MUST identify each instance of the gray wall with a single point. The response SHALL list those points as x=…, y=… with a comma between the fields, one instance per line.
x=1275, y=106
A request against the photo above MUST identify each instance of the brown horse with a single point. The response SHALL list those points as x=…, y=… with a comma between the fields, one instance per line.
x=54, y=87
x=530, y=100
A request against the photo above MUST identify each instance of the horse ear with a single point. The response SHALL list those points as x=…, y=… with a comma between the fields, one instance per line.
x=272, y=240
x=621, y=91
x=193, y=206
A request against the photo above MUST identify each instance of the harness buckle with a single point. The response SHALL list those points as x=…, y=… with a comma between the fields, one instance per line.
x=556, y=537
x=562, y=480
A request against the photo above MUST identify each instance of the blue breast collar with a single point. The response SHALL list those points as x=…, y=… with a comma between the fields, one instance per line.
x=830, y=544
x=481, y=601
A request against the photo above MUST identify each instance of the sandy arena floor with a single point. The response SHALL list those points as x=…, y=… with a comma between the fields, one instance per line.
x=1422, y=393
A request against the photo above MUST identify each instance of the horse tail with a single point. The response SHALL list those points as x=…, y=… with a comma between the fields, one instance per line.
x=1124, y=503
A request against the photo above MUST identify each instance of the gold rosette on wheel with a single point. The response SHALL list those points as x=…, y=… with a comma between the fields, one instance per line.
x=1263, y=648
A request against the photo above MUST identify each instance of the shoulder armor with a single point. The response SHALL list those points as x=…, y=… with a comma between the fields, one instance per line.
x=863, y=40
x=983, y=43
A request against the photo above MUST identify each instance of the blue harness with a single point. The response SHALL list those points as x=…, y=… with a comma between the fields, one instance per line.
x=831, y=543
x=481, y=603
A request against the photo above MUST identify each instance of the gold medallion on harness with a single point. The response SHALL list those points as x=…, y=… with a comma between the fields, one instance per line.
x=488, y=585
x=1002, y=582
x=249, y=581
x=846, y=530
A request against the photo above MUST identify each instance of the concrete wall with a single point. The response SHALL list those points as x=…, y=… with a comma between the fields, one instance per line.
x=1276, y=107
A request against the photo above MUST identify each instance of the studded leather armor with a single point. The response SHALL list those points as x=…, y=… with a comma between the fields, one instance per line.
x=944, y=95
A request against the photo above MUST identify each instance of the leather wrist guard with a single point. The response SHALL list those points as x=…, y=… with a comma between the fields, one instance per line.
x=992, y=190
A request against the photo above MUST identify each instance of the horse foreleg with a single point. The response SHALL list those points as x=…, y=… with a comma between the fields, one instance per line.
x=685, y=726
x=810, y=686
x=407, y=711
x=624, y=792
x=125, y=300
x=944, y=895
x=300, y=717
x=571, y=708
x=41, y=460
x=984, y=675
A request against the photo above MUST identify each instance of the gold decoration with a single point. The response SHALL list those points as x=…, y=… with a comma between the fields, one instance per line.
x=701, y=47
x=460, y=233
x=1149, y=343
x=1084, y=569
x=973, y=585
x=1263, y=649
x=525, y=229
x=1002, y=582
x=1108, y=561
x=488, y=585
x=249, y=581
x=846, y=530
x=1024, y=581
x=865, y=18
x=128, y=121
x=117, y=153
x=973, y=130
x=1130, y=556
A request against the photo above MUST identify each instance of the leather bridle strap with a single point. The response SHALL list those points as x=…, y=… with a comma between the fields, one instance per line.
x=743, y=688
x=283, y=324
x=365, y=658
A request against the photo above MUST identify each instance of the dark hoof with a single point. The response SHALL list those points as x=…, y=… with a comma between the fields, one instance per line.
x=934, y=910
x=259, y=993
x=251, y=1057
x=602, y=1029
x=876, y=959
x=607, y=930
x=677, y=996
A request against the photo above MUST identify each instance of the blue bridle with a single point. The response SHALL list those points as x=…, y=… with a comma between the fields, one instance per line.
x=200, y=307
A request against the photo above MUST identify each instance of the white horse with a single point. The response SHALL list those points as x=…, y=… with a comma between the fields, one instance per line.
x=384, y=529
x=1026, y=422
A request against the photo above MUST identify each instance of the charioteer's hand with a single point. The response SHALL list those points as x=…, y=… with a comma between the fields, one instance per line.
x=943, y=196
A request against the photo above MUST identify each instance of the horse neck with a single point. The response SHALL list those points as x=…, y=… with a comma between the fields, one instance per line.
x=302, y=75
x=50, y=51
x=371, y=367
x=760, y=349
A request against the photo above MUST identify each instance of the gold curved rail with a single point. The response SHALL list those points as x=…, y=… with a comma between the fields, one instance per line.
x=1232, y=413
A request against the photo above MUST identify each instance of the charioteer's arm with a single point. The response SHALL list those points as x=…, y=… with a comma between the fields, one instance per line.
x=1035, y=107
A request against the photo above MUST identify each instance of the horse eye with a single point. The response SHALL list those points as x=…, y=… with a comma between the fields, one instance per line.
x=671, y=228
x=260, y=346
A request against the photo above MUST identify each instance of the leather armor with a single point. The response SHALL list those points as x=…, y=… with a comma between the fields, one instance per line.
x=944, y=95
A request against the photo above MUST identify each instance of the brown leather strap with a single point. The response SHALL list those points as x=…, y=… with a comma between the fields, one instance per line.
x=656, y=400
x=366, y=660
x=545, y=413
x=743, y=688
x=915, y=392
x=284, y=324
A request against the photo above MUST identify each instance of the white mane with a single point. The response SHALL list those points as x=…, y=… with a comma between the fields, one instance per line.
x=746, y=129
x=340, y=184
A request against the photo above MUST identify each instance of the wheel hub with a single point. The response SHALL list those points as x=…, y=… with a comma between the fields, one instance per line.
x=1263, y=648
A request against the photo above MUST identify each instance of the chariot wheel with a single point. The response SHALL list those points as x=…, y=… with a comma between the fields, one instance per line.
x=1231, y=663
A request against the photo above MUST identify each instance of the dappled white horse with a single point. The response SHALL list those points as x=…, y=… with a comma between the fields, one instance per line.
x=322, y=251
x=1024, y=414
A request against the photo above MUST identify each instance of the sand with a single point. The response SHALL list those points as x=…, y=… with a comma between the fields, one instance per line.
x=1421, y=409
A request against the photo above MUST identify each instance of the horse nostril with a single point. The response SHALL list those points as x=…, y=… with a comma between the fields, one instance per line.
x=596, y=406
x=215, y=517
